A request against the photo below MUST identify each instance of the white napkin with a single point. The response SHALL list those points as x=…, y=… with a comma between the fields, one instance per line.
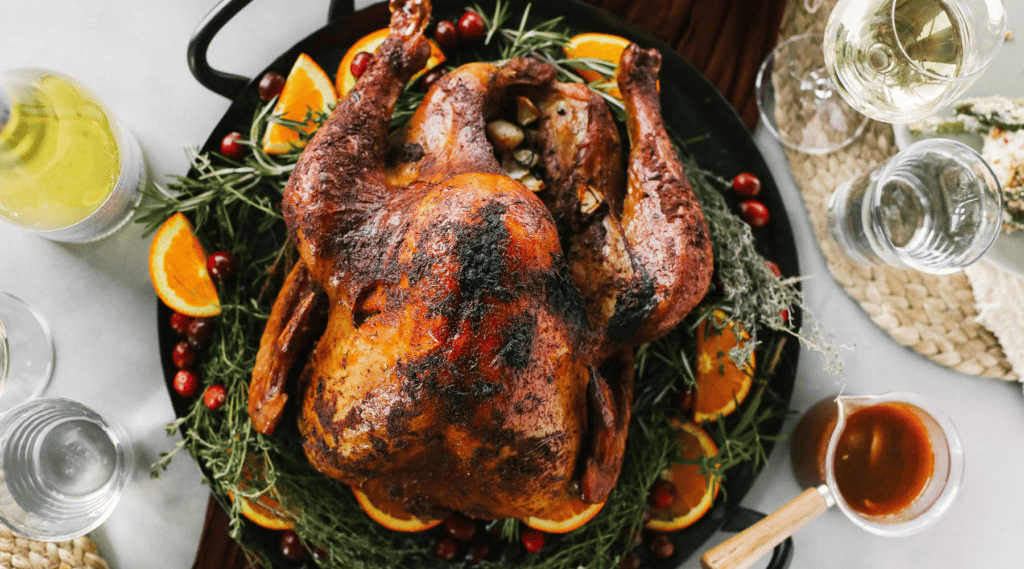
x=998, y=296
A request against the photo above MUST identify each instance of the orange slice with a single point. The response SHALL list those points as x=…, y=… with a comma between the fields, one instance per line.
x=307, y=89
x=177, y=269
x=392, y=515
x=369, y=43
x=572, y=514
x=721, y=384
x=266, y=510
x=597, y=46
x=695, y=492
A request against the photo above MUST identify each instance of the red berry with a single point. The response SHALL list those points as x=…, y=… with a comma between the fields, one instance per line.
x=186, y=382
x=431, y=77
x=446, y=549
x=746, y=185
x=230, y=146
x=199, y=332
x=291, y=546
x=685, y=400
x=662, y=547
x=630, y=561
x=221, y=265
x=754, y=213
x=460, y=527
x=533, y=540
x=271, y=85
x=446, y=35
x=774, y=268
x=180, y=322
x=184, y=355
x=471, y=27
x=360, y=63
x=663, y=493
x=214, y=397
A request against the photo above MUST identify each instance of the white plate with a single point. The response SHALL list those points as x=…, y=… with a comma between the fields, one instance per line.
x=1004, y=77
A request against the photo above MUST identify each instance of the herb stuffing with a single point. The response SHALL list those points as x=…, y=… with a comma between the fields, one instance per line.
x=234, y=206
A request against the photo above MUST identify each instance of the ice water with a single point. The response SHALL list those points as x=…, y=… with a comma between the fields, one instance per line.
x=63, y=468
x=935, y=207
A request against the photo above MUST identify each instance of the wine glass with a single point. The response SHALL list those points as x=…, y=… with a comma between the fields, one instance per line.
x=815, y=120
x=26, y=352
x=900, y=61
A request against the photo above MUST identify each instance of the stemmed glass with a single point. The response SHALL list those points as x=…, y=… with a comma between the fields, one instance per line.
x=895, y=61
x=26, y=352
x=900, y=61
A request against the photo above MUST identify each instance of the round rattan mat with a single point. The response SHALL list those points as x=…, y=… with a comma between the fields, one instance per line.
x=933, y=315
x=21, y=553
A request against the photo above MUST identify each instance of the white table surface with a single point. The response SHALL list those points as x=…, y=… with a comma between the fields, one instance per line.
x=99, y=303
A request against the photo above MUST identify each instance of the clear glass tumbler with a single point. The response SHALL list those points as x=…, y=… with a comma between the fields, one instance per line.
x=26, y=352
x=62, y=469
x=935, y=207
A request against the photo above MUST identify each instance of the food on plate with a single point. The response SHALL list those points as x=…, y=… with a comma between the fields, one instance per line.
x=177, y=269
x=472, y=339
x=694, y=490
x=362, y=52
x=264, y=509
x=604, y=47
x=574, y=513
x=307, y=92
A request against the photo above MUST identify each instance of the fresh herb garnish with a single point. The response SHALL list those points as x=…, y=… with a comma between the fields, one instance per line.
x=235, y=207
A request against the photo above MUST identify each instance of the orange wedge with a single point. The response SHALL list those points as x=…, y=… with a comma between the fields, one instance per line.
x=695, y=492
x=307, y=89
x=721, y=384
x=266, y=510
x=344, y=80
x=177, y=269
x=392, y=515
x=597, y=46
x=572, y=514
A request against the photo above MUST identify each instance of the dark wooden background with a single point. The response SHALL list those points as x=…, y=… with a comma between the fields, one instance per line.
x=725, y=39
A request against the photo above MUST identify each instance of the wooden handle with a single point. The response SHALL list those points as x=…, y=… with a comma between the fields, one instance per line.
x=746, y=547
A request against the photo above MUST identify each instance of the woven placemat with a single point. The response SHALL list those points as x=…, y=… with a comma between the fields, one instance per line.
x=21, y=553
x=934, y=315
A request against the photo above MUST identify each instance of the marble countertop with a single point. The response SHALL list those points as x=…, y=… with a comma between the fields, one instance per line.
x=99, y=303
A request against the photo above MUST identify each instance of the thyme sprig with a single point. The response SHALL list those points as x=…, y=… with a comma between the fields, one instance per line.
x=234, y=206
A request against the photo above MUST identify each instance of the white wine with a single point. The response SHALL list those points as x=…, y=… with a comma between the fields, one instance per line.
x=67, y=167
x=896, y=60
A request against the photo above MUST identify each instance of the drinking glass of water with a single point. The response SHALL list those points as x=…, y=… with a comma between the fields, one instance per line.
x=26, y=352
x=62, y=469
x=935, y=207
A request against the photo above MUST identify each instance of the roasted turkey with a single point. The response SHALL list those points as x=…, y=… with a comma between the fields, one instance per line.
x=461, y=342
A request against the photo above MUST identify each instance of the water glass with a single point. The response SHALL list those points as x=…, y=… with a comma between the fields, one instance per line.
x=62, y=469
x=935, y=207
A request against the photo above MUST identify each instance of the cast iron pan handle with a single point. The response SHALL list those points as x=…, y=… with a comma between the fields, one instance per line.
x=743, y=518
x=220, y=82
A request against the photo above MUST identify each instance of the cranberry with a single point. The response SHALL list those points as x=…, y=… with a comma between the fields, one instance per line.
x=431, y=77
x=199, y=332
x=685, y=400
x=471, y=27
x=180, y=322
x=533, y=540
x=291, y=546
x=460, y=527
x=271, y=85
x=746, y=185
x=774, y=268
x=319, y=555
x=214, y=397
x=186, y=382
x=662, y=547
x=754, y=213
x=360, y=63
x=446, y=35
x=221, y=265
x=446, y=549
x=184, y=355
x=230, y=146
x=479, y=552
x=663, y=493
